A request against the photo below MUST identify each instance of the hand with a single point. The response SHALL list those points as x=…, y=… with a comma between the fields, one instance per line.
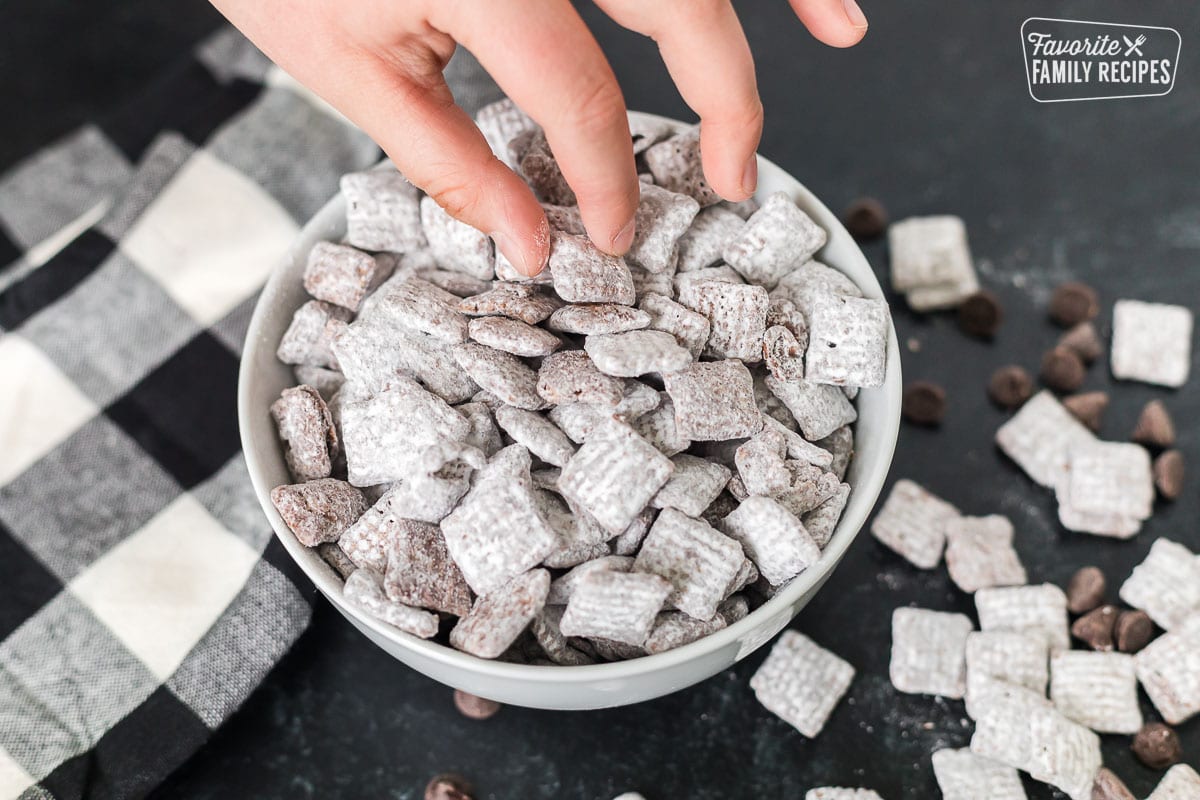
x=380, y=63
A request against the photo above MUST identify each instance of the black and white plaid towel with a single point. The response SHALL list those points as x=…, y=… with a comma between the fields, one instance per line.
x=142, y=596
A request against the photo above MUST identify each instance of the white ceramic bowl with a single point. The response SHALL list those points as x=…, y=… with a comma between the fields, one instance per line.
x=262, y=377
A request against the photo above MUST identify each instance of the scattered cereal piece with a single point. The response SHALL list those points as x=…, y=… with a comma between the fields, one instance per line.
x=433, y=489
x=931, y=262
x=620, y=606
x=1151, y=342
x=613, y=478
x=500, y=123
x=563, y=587
x=929, y=652
x=364, y=591
x=847, y=341
x=698, y=561
x=689, y=328
x=693, y=486
x=327, y=382
x=1039, y=610
x=383, y=211
x=979, y=553
x=372, y=353
x=310, y=335
x=421, y=307
x=675, y=629
x=583, y=274
x=537, y=433
x=662, y=217
x=1180, y=783
x=840, y=445
x=804, y=284
x=1064, y=754
x=774, y=539
x=1166, y=585
x=500, y=616
x=318, y=510
x=635, y=353
x=775, y=240
x=801, y=682
x=1004, y=657
x=306, y=426
x=819, y=408
x=783, y=354
x=675, y=165
x=570, y=376
x=342, y=275
x=963, y=775
x=737, y=315
x=549, y=635
x=598, y=318
x=810, y=487
x=822, y=521
x=841, y=793
x=701, y=246
x=484, y=434
x=912, y=522
x=761, y=465
x=646, y=282
x=455, y=245
x=336, y=558
x=799, y=448
x=502, y=374
x=366, y=542
x=581, y=421
x=1002, y=723
x=421, y=573
x=630, y=539
x=1041, y=437
x=513, y=300
x=543, y=173
x=714, y=401
x=1098, y=690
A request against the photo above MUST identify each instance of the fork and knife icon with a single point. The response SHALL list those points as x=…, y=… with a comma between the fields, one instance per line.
x=1134, y=46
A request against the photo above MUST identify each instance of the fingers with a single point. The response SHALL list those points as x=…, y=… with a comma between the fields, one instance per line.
x=706, y=52
x=549, y=64
x=838, y=23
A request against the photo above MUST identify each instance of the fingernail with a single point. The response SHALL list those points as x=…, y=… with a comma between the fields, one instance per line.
x=750, y=173
x=857, y=18
x=623, y=240
x=507, y=248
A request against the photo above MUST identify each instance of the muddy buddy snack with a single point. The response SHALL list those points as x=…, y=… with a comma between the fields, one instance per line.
x=610, y=460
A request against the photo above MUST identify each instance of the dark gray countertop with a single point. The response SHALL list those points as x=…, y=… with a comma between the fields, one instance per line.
x=932, y=115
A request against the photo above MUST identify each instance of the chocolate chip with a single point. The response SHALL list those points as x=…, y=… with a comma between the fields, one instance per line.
x=1155, y=428
x=1062, y=370
x=475, y=707
x=1084, y=341
x=1010, y=386
x=1157, y=745
x=1095, y=628
x=981, y=314
x=1168, y=474
x=924, y=403
x=1085, y=590
x=1133, y=631
x=865, y=218
x=1073, y=303
x=448, y=786
x=1109, y=787
x=1088, y=407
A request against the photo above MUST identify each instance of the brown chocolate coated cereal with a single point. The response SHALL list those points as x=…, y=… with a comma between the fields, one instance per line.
x=1157, y=745
x=981, y=314
x=1009, y=387
x=1062, y=370
x=924, y=403
x=1085, y=590
x=1073, y=303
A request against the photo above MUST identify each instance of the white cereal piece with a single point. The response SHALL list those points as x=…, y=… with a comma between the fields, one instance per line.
x=596, y=318
x=306, y=427
x=646, y=282
x=1181, y=782
x=635, y=353
x=979, y=553
x=630, y=539
x=801, y=682
x=942, y=296
x=840, y=444
x=784, y=313
x=912, y=522
x=698, y=561
x=761, y=464
x=1166, y=585
x=514, y=300
x=572, y=553
x=777, y=239
x=705, y=241
x=499, y=617
x=804, y=284
x=743, y=208
x=502, y=374
x=841, y=793
x=810, y=487
x=1005, y=657
x=563, y=587
x=734, y=609
x=456, y=246
x=384, y=434
x=383, y=211
x=420, y=572
x=1108, y=480
x=847, y=343
x=570, y=376
x=662, y=217
x=432, y=491
x=689, y=328
x=546, y=629
x=421, y=307
x=714, y=401
x=342, y=275
x=1151, y=342
x=783, y=354
x=1111, y=525
x=367, y=541
x=799, y=448
x=364, y=590
x=1065, y=754
x=693, y=486
x=542, y=172
x=583, y=274
x=1039, y=610
x=581, y=421
x=676, y=165
x=456, y=283
x=1040, y=438
x=1169, y=670
x=963, y=775
x=538, y=434
x=500, y=123
x=646, y=130
x=613, y=478
x=1002, y=724
x=930, y=254
x=513, y=336
x=774, y=539
x=718, y=274
x=326, y=381
x=821, y=522
x=309, y=338
x=619, y=606
x=660, y=429
x=497, y=532
x=484, y=435
x=639, y=399
x=675, y=629
x=371, y=353
x=1098, y=690
x=819, y=408
x=929, y=652
x=737, y=315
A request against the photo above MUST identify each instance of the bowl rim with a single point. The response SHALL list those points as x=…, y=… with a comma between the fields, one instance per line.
x=324, y=578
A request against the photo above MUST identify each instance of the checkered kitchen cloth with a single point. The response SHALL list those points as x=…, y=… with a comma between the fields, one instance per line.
x=142, y=596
